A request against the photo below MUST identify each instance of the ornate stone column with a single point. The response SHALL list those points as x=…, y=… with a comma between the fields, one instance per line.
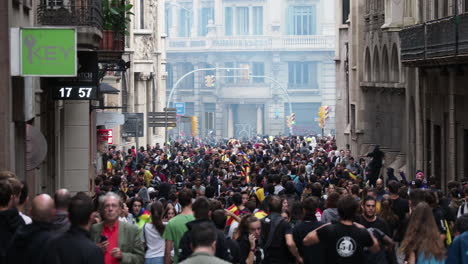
x=230, y=122
x=195, y=16
x=260, y=119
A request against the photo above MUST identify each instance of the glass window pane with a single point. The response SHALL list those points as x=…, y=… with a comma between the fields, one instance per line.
x=228, y=21
x=242, y=20
x=258, y=20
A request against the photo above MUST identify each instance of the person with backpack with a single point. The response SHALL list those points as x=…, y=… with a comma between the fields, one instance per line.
x=201, y=211
x=276, y=238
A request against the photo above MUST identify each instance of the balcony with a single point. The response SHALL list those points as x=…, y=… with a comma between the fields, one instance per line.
x=443, y=41
x=251, y=91
x=85, y=15
x=252, y=43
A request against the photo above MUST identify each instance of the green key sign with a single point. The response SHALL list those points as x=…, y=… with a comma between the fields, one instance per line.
x=48, y=52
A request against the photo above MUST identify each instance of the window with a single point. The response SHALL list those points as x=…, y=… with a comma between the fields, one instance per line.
x=229, y=73
x=466, y=6
x=243, y=74
x=302, y=75
x=258, y=69
x=184, y=22
x=168, y=13
x=206, y=14
x=170, y=76
x=210, y=110
x=228, y=21
x=301, y=20
x=189, y=82
x=55, y=2
x=142, y=14
x=258, y=20
x=242, y=20
x=345, y=8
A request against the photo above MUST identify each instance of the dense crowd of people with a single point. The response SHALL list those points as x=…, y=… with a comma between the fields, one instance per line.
x=267, y=200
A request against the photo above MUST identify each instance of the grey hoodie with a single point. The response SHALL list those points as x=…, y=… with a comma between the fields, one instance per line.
x=330, y=215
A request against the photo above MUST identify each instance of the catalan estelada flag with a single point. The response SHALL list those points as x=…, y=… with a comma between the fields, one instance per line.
x=233, y=208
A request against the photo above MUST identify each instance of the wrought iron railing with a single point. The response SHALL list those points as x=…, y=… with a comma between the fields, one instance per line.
x=413, y=43
x=86, y=13
x=463, y=33
x=442, y=38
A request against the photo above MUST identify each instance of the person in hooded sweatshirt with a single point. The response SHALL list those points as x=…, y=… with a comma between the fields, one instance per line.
x=201, y=211
x=30, y=242
x=10, y=219
x=330, y=215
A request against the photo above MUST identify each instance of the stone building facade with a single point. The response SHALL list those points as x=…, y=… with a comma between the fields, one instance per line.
x=142, y=87
x=434, y=51
x=394, y=91
x=49, y=143
x=288, y=47
x=371, y=88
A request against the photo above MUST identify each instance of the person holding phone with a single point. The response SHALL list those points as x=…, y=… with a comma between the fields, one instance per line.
x=119, y=241
x=249, y=234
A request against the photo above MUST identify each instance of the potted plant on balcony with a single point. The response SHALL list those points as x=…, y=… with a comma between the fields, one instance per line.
x=116, y=19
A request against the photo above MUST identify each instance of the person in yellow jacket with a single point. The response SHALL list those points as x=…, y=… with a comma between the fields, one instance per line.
x=147, y=175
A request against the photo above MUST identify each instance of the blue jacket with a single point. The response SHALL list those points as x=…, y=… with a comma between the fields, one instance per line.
x=458, y=251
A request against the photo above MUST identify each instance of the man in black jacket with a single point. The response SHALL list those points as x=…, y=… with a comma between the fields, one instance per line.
x=314, y=253
x=201, y=211
x=30, y=242
x=10, y=220
x=277, y=238
x=75, y=246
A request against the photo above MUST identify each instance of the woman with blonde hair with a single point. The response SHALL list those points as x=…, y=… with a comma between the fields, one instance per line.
x=422, y=243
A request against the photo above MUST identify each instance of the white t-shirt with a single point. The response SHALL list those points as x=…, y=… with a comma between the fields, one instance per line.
x=155, y=243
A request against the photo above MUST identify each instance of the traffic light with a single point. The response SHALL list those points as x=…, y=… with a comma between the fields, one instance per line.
x=209, y=80
x=288, y=121
x=327, y=112
x=194, y=123
x=322, y=116
x=293, y=118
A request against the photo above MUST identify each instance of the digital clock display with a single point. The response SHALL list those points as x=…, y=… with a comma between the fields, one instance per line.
x=75, y=93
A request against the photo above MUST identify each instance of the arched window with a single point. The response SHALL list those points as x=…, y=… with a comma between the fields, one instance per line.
x=368, y=71
x=376, y=66
x=385, y=65
x=395, y=65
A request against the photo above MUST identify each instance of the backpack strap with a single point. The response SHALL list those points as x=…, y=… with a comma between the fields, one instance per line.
x=273, y=225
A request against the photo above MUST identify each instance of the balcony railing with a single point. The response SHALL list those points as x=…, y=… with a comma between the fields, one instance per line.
x=413, y=44
x=463, y=34
x=87, y=13
x=444, y=38
x=243, y=43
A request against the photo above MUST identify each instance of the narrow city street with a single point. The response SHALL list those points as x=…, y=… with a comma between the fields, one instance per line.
x=245, y=132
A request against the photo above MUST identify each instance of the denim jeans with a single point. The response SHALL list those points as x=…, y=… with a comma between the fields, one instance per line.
x=156, y=260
